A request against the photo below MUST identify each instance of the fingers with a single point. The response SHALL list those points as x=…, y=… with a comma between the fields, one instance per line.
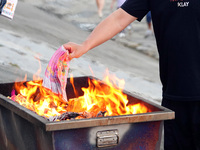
x=67, y=47
x=70, y=57
x=75, y=50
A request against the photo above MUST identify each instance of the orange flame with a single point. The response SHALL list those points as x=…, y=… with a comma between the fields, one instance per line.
x=38, y=99
x=106, y=96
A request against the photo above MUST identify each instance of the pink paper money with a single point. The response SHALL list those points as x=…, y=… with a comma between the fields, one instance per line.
x=56, y=72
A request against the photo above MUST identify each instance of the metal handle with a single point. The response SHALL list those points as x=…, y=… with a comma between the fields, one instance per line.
x=107, y=138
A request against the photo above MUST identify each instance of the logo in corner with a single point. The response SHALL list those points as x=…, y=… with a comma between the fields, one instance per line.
x=180, y=3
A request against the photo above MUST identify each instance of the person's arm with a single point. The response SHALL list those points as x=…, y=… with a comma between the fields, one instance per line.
x=108, y=28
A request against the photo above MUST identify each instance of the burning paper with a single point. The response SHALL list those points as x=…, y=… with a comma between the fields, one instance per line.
x=56, y=73
x=99, y=99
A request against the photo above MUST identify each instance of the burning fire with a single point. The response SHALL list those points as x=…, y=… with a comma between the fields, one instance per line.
x=106, y=98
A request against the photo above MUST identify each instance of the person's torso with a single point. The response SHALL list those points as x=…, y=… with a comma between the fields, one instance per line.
x=177, y=30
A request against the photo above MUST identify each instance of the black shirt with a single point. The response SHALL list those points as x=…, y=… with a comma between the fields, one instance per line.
x=177, y=30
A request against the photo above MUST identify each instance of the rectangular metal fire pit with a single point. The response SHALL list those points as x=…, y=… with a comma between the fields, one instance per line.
x=22, y=129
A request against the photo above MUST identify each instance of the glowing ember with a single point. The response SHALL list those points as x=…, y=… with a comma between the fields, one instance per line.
x=98, y=100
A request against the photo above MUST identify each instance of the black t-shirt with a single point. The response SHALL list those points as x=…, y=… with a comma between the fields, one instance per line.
x=177, y=30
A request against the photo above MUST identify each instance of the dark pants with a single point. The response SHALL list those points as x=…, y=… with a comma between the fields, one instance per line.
x=148, y=17
x=182, y=133
x=2, y=3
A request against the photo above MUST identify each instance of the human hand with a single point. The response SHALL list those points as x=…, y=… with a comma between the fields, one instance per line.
x=75, y=50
